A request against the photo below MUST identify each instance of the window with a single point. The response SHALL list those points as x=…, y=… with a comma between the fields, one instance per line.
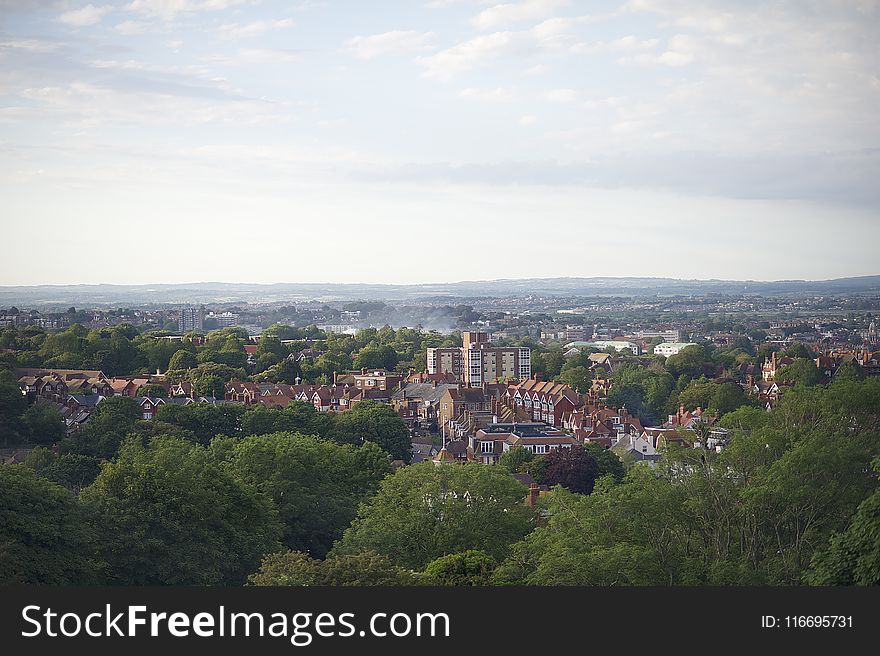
x=148, y=415
x=487, y=447
x=540, y=448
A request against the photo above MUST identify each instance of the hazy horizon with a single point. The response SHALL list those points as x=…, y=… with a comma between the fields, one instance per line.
x=149, y=141
x=429, y=283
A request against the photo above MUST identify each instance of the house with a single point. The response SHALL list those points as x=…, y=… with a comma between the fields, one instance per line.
x=123, y=387
x=659, y=438
x=150, y=406
x=242, y=392
x=768, y=393
x=422, y=452
x=601, y=424
x=454, y=451
x=378, y=379
x=749, y=374
x=491, y=442
x=418, y=403
x=424, y=377
x=684, y=418
x=772, y=365
x=183, y=388
x=306, y=355
x=544, y=401
x=639, y=447
x=455, y=400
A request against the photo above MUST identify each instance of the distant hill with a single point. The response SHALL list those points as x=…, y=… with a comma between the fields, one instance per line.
x=219, y=292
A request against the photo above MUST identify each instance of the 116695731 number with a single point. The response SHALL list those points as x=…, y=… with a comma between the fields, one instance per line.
x=807, y=622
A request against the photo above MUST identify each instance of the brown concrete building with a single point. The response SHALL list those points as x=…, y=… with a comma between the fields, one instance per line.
x=478, y=361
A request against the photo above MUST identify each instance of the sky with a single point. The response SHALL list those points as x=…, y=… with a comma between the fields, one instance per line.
x=161, y=141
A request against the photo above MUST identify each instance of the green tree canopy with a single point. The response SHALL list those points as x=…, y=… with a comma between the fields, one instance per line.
x=800, y=372
x=45, y=537
x=294, y=568
x=167, y=514
x=423, y=512
x=574, y=469
x=182, y=359
x=316, y=484
x=369, y=421
x=470, y=567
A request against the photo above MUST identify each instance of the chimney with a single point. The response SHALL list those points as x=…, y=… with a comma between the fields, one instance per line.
x=363, y=371
x=538, y=377
x=532, y=499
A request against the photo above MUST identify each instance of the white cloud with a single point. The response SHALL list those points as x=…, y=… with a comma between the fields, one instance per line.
x=235, y=31
x=129, y=27
x=88, y=15
x=673, y=58
x=498, y=94
x=537, y=69
x=632, y=42
x=554, y=35
x=248, y=56
x=389, y=43
x=29, y=45
x=505, y=14
x=561, y=95
x=528, y=119
x=681, y=51
x=169, y=9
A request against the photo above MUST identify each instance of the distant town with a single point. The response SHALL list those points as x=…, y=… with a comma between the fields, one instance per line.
x=483, y=363
x=519, y=400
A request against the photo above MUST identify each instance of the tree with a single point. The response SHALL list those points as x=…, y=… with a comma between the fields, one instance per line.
x=111, y=421
x=369, y=421
x=288, y=568
x=727, y=397
x=182, y=360
x=153, y=390
x=578, y=378
x=688, y=361
x=204, y=420
x=698, y=394
x=71, y=470
x=376, y=357
x=574, y=469
x=297, y=417
x=42, y=424
x=800, y=372
x=168, y=514
x=367, y=568
x=471, y=567
x=423, y=512
x=12, y=406
x=853, y=557
x=45, y=537
x=849, y=372
x=634, y=533
x=294, y=568
x=316, y=484
x=799, y=350
x=607, y=462
x=514, y=458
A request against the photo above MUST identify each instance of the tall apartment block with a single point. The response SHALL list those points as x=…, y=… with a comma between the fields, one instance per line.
x=478, y=361
x=191, y=319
